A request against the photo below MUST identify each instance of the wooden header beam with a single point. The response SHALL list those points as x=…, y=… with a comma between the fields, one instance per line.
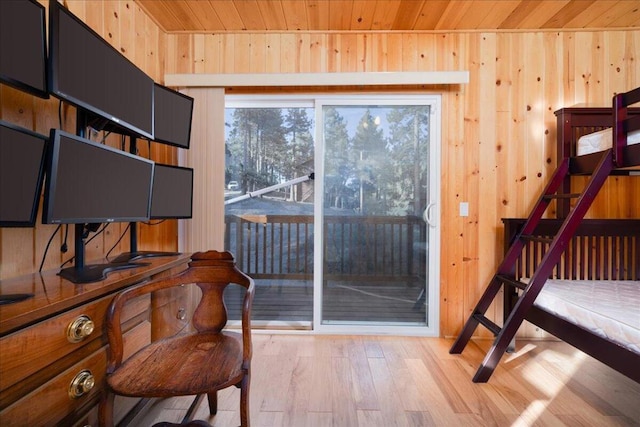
x=318, y=79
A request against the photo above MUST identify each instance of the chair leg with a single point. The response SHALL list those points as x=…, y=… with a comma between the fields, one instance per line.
x=213, y=402
x=244, y=401
x=105, y=410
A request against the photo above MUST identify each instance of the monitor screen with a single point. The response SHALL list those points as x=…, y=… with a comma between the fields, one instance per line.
x=172, y=117
x=172, y=195
x=23, y=46
x=88, y=72
x=21, y=163
x=94, y=183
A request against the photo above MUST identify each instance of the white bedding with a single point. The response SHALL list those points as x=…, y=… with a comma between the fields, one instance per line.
x=609, y=308
x=602, y=140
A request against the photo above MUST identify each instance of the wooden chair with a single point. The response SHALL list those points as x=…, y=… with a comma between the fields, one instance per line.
x=194, y=363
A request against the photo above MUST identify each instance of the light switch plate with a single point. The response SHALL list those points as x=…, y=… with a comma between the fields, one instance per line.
x=464, y=209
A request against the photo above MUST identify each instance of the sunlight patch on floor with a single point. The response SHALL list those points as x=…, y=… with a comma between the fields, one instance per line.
x=553, y=383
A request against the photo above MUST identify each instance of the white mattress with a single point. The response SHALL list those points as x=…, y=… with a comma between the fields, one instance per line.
x=609, y=308
x=602, y=140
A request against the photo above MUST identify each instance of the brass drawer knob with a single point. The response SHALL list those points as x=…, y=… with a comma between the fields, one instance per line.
x=81, y=384
x=80, y=328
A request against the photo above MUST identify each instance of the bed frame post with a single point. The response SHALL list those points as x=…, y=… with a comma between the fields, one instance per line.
x=563, y=127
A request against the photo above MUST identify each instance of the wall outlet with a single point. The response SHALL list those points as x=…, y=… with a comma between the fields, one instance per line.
x=464, y=208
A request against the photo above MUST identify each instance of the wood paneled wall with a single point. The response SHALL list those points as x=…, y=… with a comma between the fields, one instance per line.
x=498, y=145
x=133, y=33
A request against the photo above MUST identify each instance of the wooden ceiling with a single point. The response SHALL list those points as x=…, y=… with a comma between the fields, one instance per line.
x=216, y=16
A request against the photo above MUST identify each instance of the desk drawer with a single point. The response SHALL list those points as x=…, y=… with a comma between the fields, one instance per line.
x=44, y=349
x=52, y=403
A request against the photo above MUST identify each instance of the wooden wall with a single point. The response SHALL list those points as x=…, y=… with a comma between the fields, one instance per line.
x=498, y=130
x=134, y=34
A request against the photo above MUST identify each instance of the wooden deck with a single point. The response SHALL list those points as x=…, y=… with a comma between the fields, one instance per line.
x=343, y=301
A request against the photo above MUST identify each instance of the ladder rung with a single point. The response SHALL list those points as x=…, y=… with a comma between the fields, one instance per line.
x=511, y=281
x=532, y=238
x=562, y=196
x=487, y=323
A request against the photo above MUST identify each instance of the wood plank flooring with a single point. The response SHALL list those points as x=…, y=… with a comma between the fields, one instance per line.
x=344, y=381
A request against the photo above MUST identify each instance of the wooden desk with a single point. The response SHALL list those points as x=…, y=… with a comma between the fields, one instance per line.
x=55, y=338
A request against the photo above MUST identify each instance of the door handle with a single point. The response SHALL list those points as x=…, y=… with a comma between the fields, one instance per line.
x=426, y=216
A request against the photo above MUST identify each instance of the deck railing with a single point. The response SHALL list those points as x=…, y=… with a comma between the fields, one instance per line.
x=356, y=248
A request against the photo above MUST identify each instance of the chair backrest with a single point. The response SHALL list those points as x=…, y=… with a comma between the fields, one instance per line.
x=212, y=272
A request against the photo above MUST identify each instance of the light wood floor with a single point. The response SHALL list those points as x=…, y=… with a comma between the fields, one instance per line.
x=344, y=381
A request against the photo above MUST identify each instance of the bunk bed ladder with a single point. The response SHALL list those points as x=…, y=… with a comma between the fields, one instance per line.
x=505, y=274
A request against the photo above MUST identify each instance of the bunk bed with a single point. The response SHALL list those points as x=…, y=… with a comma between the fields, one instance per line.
x=576, y=278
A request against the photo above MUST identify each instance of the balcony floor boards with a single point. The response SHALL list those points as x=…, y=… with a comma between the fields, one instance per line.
x=343, y=301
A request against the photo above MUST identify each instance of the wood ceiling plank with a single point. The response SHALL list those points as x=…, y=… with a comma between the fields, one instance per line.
x=273, y=15
x=501, y=11
x=452, y=15
x=542, y=12
x=362, y=15
x=295, y=15
x=385, y=14
x=184, y=16
x=618, y=11
x=568, y=11
x=477, y=12
x=407, y=15
x=630, y=19
x=228, y=15
x=519, y=14
x=318, y=14
x=340, y=14
x=588, y=14
x=250, y=14
x=160, y=14
x=430, y=14
x=205, y=14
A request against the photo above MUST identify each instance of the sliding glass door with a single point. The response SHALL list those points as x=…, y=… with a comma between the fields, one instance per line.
x=331, y=205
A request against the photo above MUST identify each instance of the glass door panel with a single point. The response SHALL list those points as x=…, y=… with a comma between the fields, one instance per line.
x=269, y=208
x=376, y=197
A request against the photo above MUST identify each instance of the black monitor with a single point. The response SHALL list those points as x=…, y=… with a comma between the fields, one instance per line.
x=91, y=74
x=172, y=117
x=172, y=194
x=23, y=46
x=21, y=169
x=89, y=183
x=172, y=198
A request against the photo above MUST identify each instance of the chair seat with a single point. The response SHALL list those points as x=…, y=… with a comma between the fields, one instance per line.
x=215, y=359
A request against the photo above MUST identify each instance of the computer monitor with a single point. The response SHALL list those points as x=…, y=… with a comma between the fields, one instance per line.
x=23, y=46
x=171, y=198
x=172, y=194
x=22, y=155
x=172, y=117
x=91, y=74
x=89, y=182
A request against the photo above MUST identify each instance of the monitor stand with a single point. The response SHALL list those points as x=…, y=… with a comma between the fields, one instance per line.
x=135, y=254
x=93, y=272
x=82, y=273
